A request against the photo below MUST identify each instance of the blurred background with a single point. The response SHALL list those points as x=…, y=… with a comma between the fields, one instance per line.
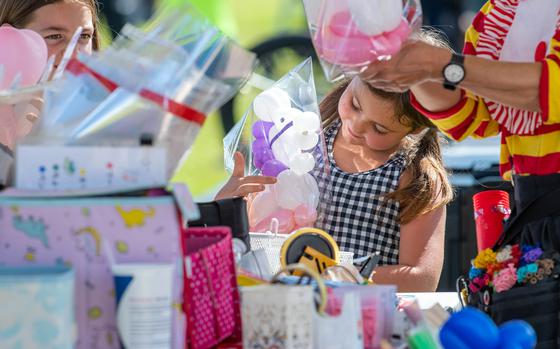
x=276, y=31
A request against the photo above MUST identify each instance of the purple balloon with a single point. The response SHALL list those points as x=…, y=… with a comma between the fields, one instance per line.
x=273, y=168
x=261, y=157
x=261, y=152
x=258, y=161
x=261, y=128
x=259, y=145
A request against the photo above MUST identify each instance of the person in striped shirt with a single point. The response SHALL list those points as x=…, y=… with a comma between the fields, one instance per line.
x=506, y=82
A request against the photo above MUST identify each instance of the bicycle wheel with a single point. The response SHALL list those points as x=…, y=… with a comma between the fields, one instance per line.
x=276, y=57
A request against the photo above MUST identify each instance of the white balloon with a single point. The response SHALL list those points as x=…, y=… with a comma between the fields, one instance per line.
x=392, y=14
x=302, y=163
x=285, y=116
x=293, y=190
x=374, y=17
x=307, y=121
x=301, y=136
x=284, y=146
x=306, y=140
x=367, y=16
x=269, y=102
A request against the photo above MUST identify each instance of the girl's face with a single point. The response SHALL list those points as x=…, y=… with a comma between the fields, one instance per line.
x=57, y=22
x=369, y=120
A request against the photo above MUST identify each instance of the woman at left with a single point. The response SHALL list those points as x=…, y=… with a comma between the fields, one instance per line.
x=56, y=21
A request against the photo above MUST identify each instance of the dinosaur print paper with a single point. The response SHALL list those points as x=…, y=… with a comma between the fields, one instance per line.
x=80, y=233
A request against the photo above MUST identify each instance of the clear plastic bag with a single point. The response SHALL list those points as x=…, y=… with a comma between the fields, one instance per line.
x=155, y=85
x=350, y=34
x=280, y=136
x=378, y=309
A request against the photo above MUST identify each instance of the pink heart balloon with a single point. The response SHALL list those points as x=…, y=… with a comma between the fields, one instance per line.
x=286, y=222
x=341, y=42
x=305, y=215
x=261, y=206
x=27, y=55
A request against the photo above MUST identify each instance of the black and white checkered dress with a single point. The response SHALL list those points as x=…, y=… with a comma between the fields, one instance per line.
x=352, y=209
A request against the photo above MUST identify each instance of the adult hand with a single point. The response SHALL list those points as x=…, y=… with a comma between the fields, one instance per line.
x=27, y=113
x=240, y=185
x=417, y=62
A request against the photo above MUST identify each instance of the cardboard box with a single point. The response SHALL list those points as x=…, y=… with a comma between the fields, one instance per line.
x=43, y=167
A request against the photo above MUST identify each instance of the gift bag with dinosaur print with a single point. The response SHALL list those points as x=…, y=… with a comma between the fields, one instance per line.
x=86, y=234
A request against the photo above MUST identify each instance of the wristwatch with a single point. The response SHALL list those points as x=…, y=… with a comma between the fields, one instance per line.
x=454, y=72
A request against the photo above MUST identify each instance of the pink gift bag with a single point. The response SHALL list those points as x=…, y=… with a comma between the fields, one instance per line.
x=211, y=298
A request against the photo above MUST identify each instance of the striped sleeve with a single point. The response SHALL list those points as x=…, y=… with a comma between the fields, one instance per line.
x=469, y=117
x=549, y=93
x=472, y=33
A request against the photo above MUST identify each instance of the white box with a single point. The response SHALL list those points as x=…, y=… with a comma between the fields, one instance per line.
x=44, y=167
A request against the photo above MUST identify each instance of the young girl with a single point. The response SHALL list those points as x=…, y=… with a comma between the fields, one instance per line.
x=388, y=186
x=55, y=20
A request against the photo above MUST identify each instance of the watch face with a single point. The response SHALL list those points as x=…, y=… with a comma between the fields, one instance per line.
x=454, y=73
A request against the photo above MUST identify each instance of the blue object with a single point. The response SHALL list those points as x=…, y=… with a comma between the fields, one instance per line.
x=517, y=334
x=469, y=329
x=473, y=329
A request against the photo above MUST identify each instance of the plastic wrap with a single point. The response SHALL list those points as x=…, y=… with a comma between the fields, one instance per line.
x=348, y=35
x=280, y=136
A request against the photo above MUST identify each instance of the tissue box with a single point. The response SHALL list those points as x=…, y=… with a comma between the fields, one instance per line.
x=37, y=308
x=44, y=167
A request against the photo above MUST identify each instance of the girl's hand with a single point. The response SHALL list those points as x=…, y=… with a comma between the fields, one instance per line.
x=241, y=186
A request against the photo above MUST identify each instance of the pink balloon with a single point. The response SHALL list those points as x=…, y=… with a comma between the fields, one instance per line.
x=402, y=31
x=286, y=222
x=261, y=206
x=342, y=25
x=24, y=52
x=305, y=216
x=285, y=219
x=341, y=42
x=393, y=40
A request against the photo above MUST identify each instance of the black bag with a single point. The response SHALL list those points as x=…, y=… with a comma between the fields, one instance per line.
x=227, y=212
x=538, y=304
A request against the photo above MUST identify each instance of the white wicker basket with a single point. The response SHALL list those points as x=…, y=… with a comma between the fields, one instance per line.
x=272, y=244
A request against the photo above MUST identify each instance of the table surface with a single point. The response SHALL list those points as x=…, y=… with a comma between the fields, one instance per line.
x=428, y=299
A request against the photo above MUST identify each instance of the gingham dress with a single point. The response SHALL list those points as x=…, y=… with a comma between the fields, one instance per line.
x=352, y=209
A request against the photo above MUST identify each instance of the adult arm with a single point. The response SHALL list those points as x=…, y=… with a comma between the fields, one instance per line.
x=418, y=67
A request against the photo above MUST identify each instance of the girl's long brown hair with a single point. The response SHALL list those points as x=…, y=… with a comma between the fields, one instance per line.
x=18, y=13
x=429, y=187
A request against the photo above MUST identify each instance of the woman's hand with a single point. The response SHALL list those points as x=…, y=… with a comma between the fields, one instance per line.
x=240, y=185
x=418, y=66
x=417, y=62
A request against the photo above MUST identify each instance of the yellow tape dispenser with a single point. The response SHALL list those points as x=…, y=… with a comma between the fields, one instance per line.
x=310, y=246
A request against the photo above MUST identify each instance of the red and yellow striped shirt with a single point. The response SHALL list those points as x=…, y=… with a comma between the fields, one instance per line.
x=536, y=153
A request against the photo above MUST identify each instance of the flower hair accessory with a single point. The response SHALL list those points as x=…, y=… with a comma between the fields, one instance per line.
x=505, y=279
x=484, y=259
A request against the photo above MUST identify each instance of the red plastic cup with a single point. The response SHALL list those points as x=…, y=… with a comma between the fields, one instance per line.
x=491, y=208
